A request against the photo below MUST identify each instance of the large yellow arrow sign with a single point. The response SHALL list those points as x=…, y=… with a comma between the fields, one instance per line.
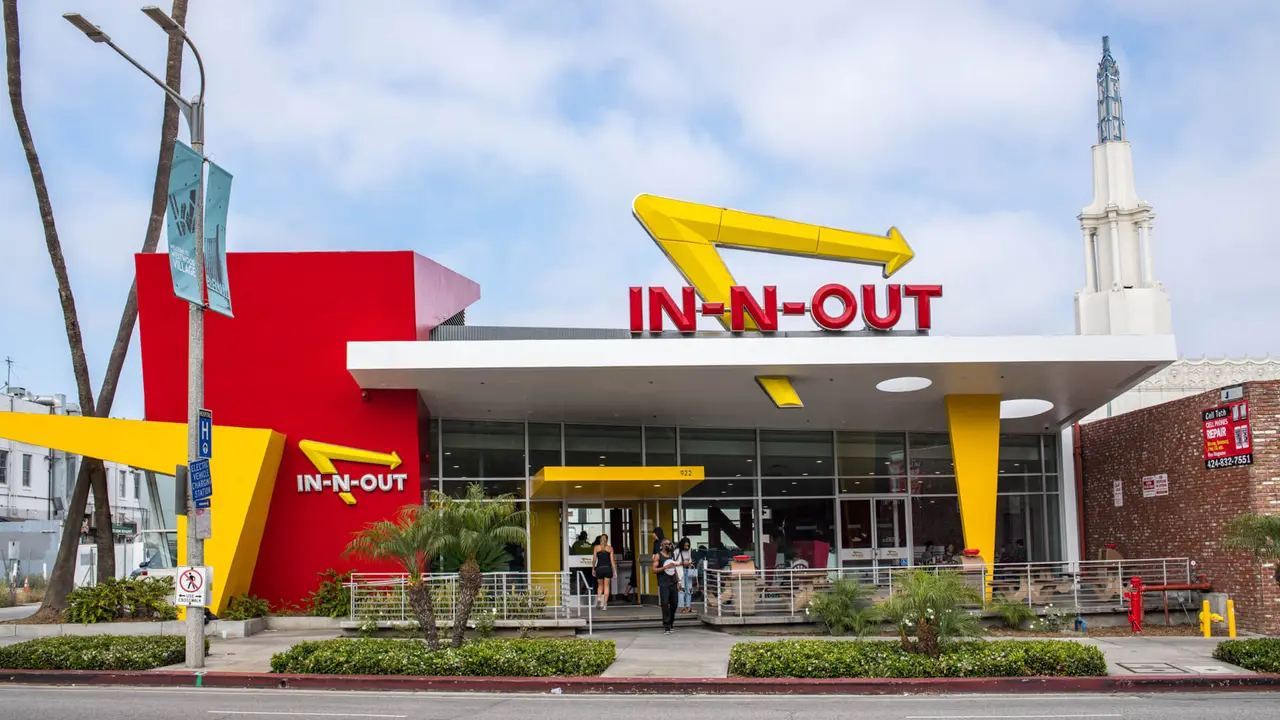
x=322, y=456
x=690, y=234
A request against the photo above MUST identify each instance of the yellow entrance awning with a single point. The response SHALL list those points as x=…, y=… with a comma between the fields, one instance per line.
x=615, y=483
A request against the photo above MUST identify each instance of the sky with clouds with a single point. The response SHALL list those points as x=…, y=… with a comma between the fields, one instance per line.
x=507, y=140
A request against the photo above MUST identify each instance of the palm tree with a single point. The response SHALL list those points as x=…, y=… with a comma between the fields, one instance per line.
x=412, y=539
x=930, y=606
x=478, y=528
x=91, y=469
x=846, y=608
x=1259, y=534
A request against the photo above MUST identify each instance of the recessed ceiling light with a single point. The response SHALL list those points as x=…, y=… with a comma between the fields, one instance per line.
x=819, y=462
x=601, y=457
x=793, y=482
x=903, y=384
x=657, y=484
x=1023, y=408
x=577, y=486
x=455, y=467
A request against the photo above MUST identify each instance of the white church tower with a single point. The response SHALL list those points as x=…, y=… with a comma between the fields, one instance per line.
x=1120, y=295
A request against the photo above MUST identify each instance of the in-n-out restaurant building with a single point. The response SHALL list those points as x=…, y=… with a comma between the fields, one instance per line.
x=347, y=385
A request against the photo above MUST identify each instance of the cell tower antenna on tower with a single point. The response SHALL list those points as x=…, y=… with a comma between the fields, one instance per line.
x=1110, y=109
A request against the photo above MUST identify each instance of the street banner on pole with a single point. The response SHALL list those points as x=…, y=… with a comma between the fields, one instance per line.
x=184, y=179
x=216, y=199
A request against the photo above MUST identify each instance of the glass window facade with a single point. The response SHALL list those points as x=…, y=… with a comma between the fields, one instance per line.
x=786, y=497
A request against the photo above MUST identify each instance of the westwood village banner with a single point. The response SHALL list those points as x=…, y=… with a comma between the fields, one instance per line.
x=184, y=179
x=217, y=197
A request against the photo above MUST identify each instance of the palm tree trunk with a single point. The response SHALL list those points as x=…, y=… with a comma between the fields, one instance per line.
x=79, y=363
x=61, y=578
x=424, y=612
x=469, y=580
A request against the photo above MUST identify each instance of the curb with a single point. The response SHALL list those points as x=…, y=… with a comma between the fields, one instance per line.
x=650, y=686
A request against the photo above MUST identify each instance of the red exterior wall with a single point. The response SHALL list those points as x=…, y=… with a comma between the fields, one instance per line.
x=281, y=364
x=1188, y=522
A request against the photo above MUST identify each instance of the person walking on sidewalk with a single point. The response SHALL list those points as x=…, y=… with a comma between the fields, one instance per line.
x=668, y=570
x=606, y=567
x=684, y=556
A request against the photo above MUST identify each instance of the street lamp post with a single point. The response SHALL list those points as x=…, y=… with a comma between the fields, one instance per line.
x=193, y=111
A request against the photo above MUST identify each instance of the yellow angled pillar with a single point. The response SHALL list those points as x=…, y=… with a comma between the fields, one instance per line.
x=974, y=422
x=244, y=469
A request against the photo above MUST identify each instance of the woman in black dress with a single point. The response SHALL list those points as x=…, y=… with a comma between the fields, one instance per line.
x=605, y=566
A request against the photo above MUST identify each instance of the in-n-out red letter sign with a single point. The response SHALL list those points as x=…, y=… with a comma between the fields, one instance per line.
x=876, y=315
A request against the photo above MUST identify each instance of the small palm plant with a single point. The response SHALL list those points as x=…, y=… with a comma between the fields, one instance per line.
x=412, y=539
x=479, y=527
x=930, y=606
x=1259, y=534
x=846, y=608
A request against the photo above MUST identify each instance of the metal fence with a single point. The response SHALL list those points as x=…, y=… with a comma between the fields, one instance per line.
x=1087, y=586
x=508, y=596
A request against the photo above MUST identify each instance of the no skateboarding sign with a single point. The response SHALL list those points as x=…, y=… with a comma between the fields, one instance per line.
x=191, y=587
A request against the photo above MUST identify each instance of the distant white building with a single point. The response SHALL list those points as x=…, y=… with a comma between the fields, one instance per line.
x=1121, y=295
x=1188, y=377
x=35, y=492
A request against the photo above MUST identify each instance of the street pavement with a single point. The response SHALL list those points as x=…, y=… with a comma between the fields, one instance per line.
x=132, y=703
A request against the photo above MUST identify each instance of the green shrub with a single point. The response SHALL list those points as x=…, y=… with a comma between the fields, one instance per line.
x=1257, y=654
x=543, y=657
x=333, y=597
x=1052, y=621
x=99, y=652
x=246, y=607
x=880, y=659
x=141, y=598
x=846, y=608
x=1014, y=614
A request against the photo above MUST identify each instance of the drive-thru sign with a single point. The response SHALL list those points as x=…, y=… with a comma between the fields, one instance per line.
x=192, y=587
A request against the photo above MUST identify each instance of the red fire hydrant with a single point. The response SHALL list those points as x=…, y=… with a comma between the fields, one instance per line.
x=1134, y=596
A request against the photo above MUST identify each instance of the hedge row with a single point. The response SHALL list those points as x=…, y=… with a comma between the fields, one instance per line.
x=880, y=659
x=98, y=652
x=1257, y=654
x=542, y=657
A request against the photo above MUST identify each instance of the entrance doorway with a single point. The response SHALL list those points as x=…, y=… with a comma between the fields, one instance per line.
x=875, y=536
x=629, y=525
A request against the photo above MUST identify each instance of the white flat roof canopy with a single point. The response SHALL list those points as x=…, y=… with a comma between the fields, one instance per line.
x=710, y=381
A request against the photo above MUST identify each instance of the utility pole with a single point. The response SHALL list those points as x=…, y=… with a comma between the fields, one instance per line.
x=8, y=372
x=193, y=110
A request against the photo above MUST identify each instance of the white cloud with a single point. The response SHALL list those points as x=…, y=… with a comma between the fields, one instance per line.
x=965, y=124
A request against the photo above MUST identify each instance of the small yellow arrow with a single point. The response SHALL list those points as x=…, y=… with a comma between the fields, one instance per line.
x=322, y=456
x=348, y=498
x=689, y=234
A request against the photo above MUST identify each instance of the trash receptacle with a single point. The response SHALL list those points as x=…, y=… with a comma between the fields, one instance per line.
x=743, y=585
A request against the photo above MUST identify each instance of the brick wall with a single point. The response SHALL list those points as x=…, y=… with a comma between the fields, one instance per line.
x=1188, y=521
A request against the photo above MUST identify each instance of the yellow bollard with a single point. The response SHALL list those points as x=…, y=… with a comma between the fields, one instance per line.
x=1231, y=618
x=1205, y=625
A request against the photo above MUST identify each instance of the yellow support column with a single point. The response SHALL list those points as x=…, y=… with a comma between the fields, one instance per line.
x=974, y=422
x=545, y=535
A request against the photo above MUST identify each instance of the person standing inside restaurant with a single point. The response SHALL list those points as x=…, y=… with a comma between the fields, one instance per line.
x=668, y=569
x=605, y=567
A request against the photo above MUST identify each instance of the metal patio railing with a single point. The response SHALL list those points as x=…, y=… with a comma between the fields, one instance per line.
x=508, y=596
x=1086, y=586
